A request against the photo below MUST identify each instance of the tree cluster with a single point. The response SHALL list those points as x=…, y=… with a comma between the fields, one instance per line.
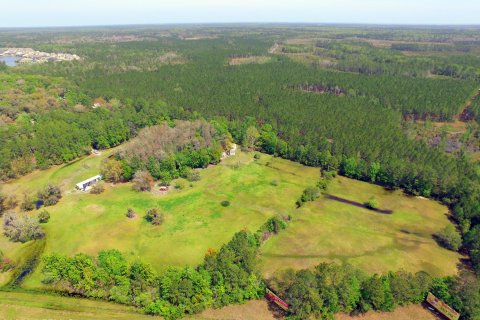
x=226, y=277
x=21, y=228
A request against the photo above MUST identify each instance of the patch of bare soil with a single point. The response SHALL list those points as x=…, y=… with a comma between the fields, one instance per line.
x=411, y=312
x=252, y=310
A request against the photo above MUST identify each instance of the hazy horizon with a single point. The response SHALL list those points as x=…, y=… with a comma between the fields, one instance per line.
x=76, y=13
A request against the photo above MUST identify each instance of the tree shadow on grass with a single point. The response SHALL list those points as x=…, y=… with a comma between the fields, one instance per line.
x=277, y=312
x=357, y=204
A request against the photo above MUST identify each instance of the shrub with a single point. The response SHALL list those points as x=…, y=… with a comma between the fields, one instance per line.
x=450, y=238
x=225, y=203
x=131, y=213
x=309, y=194
x=50, y=195
x=371, y=204
x=111, y=170
x=97, y=188
x=11, y=202
x=43, y=216
x=27, y=203
x=274, y=183
x=5, y=263
x=193, y=175
x=21, y=228
x=2, y=204
x=179, y=185
x=257, y=156
x=154, y=217
x=329, y=175
x=142, y=181
x=322, y=184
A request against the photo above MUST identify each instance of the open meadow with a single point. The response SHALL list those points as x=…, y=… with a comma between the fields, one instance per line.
x=336, y=228
x=195, y=220
x=333, y=228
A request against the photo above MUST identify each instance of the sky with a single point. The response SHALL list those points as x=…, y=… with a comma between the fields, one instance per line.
x=41, y=13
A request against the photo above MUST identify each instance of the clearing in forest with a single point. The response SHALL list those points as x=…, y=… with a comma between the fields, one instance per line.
x=195, y=220
x=335, y=229
x=235, y=61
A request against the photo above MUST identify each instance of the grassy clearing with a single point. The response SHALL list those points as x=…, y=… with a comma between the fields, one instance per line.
x=194, y=218
x=329, y=230
x=65, y=176
x=249, y=60
x=23, y=305
x=325, y=230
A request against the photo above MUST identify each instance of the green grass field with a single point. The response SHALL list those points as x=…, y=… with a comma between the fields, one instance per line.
x=325, y=230
x=194, y=218
x=25, y=305
x=329, y=230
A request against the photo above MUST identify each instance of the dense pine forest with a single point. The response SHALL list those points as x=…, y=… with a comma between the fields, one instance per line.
x=331, y=97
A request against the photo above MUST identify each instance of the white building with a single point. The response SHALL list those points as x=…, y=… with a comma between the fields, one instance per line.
x=86, y=184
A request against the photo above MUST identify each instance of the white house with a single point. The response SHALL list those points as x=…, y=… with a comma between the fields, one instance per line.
x=86, y=184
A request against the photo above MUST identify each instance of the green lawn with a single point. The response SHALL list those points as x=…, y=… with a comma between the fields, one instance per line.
x=65, y=176
x=194, y=218
x=325, y=230
x=329, y=230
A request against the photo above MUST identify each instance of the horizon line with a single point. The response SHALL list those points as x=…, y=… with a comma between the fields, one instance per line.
x=248, y=23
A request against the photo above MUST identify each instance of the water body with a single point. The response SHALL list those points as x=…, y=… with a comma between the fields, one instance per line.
x=9, y=60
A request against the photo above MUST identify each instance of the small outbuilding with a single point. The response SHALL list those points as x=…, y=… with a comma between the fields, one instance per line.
x=86, y=184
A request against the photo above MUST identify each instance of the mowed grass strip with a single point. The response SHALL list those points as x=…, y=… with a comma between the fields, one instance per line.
x=25, y=305
x=330, y=230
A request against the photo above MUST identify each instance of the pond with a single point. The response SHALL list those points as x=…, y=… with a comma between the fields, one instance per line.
x=9, y=60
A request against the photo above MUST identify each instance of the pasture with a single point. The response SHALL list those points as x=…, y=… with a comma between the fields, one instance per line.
x=325, y=230
x=336, y=228
x=195, y=220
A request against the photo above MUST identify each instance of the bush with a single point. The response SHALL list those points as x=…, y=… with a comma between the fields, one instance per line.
x=322, y=184
x=257, y=156
x=225, y=203
x=309, y=194
x=154, y=217
x=371, y=204
x=10, y=202
x=131, y=213
x=21, y=228
x=27, y=203
x=274, y=183
x=43, y=216
x=142, y=181
x=193, y=175
x=5, y=263
x=50, y=195
x=450, y=238
x=111, y=170
x=179, y=185
x=97, y=188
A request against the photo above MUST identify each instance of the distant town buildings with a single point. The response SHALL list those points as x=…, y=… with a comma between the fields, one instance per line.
x=28, y=55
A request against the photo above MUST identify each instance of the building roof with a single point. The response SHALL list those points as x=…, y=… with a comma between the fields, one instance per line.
x=97, y=177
